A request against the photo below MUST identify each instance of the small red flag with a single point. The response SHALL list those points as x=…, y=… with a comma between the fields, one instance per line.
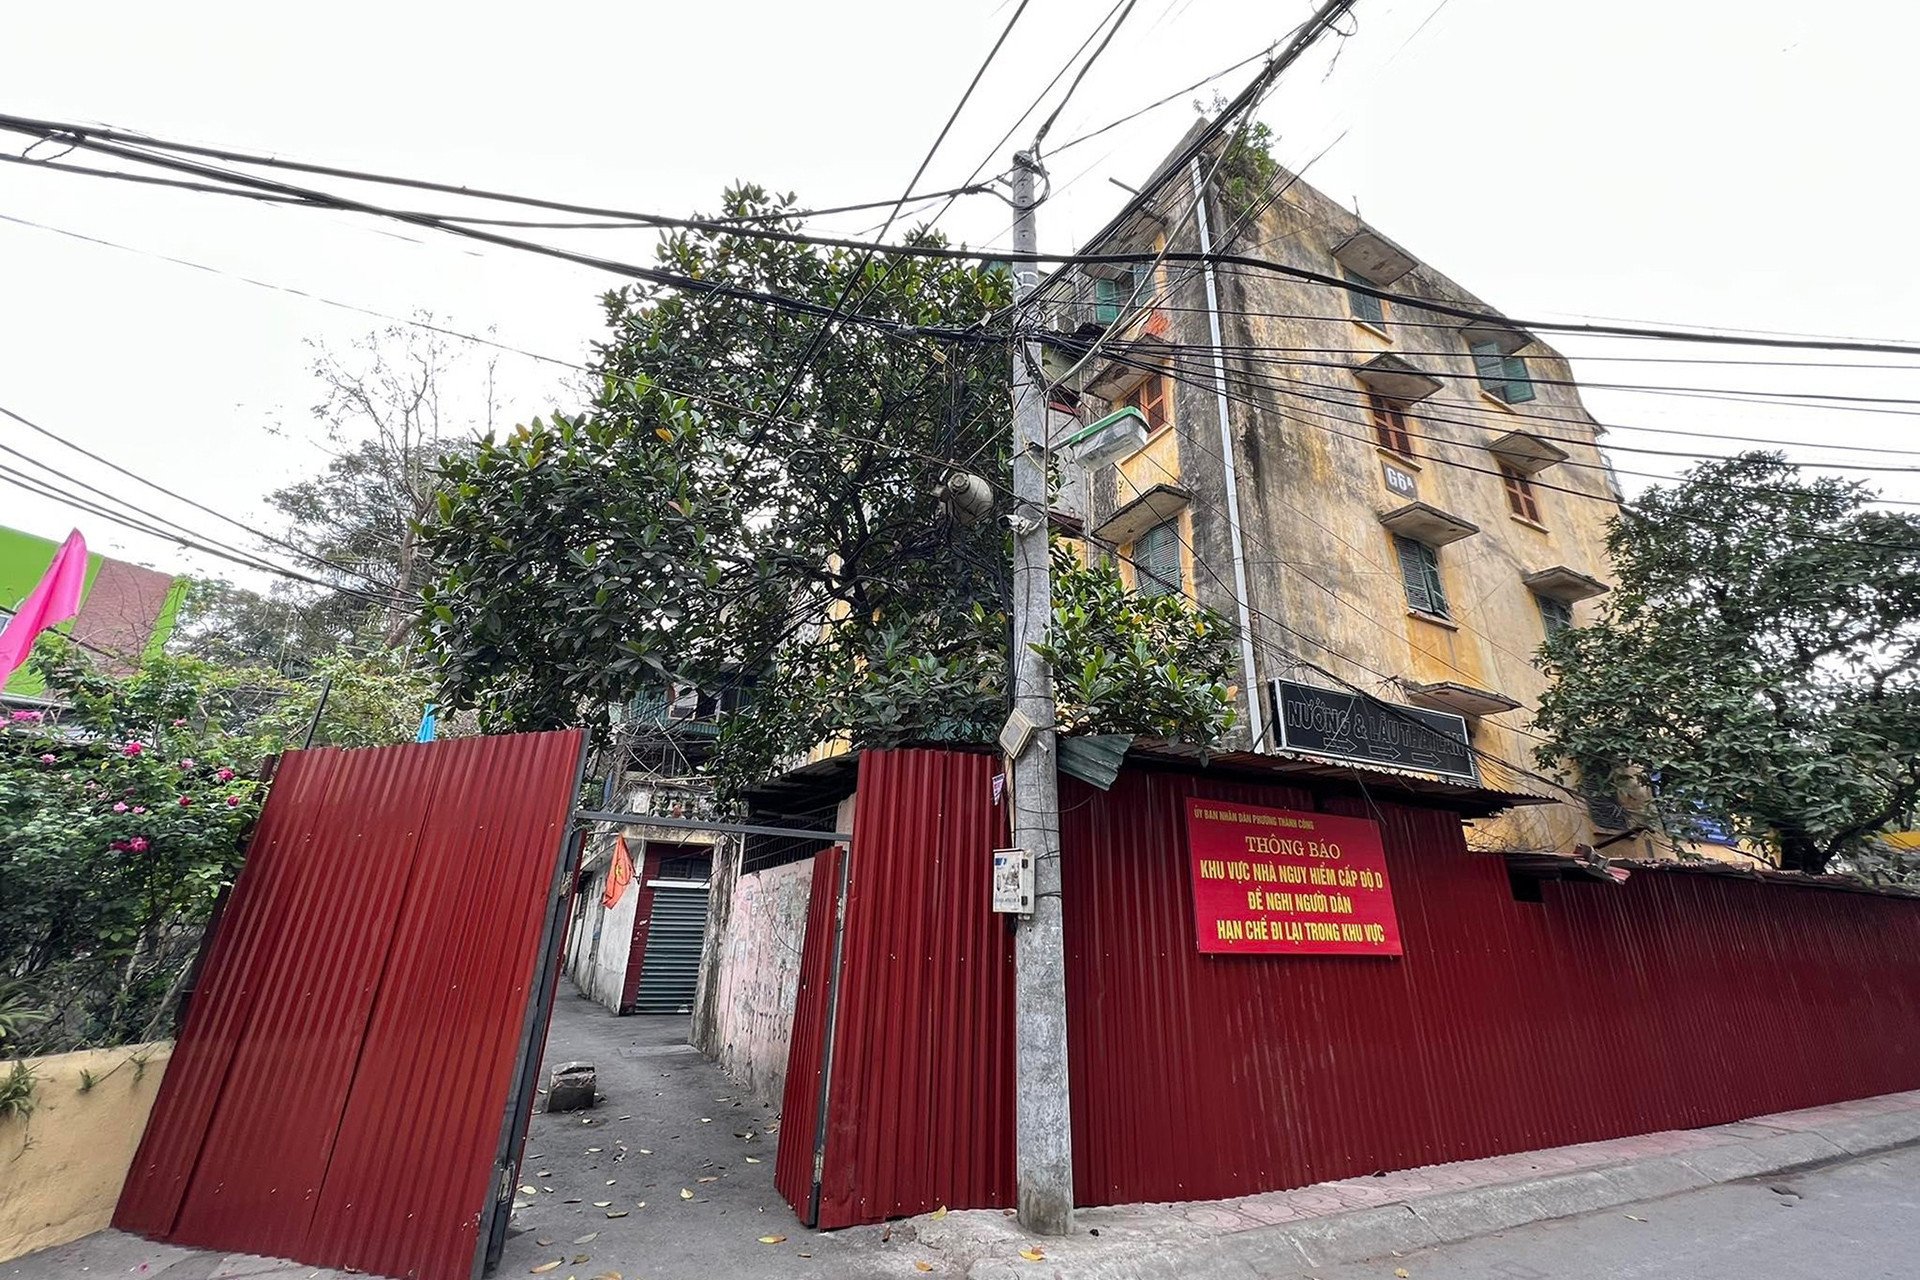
x=619, y=873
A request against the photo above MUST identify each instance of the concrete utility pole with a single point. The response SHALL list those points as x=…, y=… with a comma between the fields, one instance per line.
x=1043, y=1124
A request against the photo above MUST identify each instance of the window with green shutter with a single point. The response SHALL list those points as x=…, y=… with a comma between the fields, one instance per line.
x=1156, y=561
x=1107, y=296
x=1555, y=615
x=1504, y=376
x=1364, y=306
x=1420, y=573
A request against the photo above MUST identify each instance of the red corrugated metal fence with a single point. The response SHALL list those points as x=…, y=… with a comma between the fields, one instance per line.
x=1671, y=1001
x=806, y=1064
x=920, y=1096
x=339, y=1092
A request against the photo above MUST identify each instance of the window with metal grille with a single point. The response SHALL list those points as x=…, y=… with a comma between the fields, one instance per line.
x=1391, y=426
x=1504, y=376
x=1556, y=615
x=1420, y=572
x=1365, y=307
x=689, y=867
x=1156, y=560
x=1150, y=398
x=1520, y=495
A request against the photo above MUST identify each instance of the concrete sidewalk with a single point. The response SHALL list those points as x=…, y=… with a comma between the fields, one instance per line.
x=1291, y=1233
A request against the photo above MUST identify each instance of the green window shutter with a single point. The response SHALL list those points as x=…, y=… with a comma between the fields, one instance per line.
x=1106, y=300
x=1413, y=573
x=1156, y=561
x=1491, y=364
x=1435, y=592
x=1364, y=305
x=1555, y=615
x=1519, y=381
x=1142, y=283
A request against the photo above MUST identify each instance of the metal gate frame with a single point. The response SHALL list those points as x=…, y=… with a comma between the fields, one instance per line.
x=498, y=1215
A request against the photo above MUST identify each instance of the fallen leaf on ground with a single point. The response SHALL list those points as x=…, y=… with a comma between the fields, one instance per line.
x=640, y=1204
x=579, y=1258
x=706, y=1119
x=588, y=1238
x=773, y=1239
x=706, y=1179
x=685, y=1194
x=530, y=1191
x=609, y=1181
x=803, y=1255
x=543, y=1243
x=624, y=1117
x=645, y=1152
x=1035, y=1254
x=544, y=1173
x=593, y=1150
x=616, y=1213
x=1401, y=1273
x=919, y=1265
x=939, y=1213
x=545, y=1267
x=571, y=1200
x=1632, y=1218
x=601, y=1204
x=609, y=1275
x=753, y=1159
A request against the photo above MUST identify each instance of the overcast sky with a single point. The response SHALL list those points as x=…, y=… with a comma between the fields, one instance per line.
x=1742, y=166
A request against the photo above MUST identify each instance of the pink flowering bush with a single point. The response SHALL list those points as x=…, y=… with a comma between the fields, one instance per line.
x=108, y=867
x=124, y=815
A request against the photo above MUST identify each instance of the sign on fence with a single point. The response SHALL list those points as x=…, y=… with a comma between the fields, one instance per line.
x=1279, y=882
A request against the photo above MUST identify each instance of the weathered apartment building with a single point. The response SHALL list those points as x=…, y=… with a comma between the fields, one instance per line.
x=1413, y=500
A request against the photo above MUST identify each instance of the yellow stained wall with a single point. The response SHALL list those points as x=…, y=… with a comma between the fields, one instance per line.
x=62, y=1166
x=1323, y=573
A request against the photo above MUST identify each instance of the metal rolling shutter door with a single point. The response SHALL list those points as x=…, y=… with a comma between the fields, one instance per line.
x=671, y=969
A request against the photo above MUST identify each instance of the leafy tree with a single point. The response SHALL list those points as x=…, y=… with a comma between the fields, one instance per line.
x=738, y=506
x=1756, y=664
x=389, y=406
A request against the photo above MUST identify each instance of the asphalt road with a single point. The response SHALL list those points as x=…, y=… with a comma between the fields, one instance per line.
x=1855, y=1221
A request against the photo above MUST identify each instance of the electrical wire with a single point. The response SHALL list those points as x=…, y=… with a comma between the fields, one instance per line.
x=684, y=283
x=1247, y=400
x=1046, y=126
x=1130, y=117
x=614, y=220
x=303, y=552
x=91, y=137
x=120, y=517
x=855, y=275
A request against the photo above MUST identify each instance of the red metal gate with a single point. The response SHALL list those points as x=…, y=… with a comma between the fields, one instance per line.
x=351, y=1084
